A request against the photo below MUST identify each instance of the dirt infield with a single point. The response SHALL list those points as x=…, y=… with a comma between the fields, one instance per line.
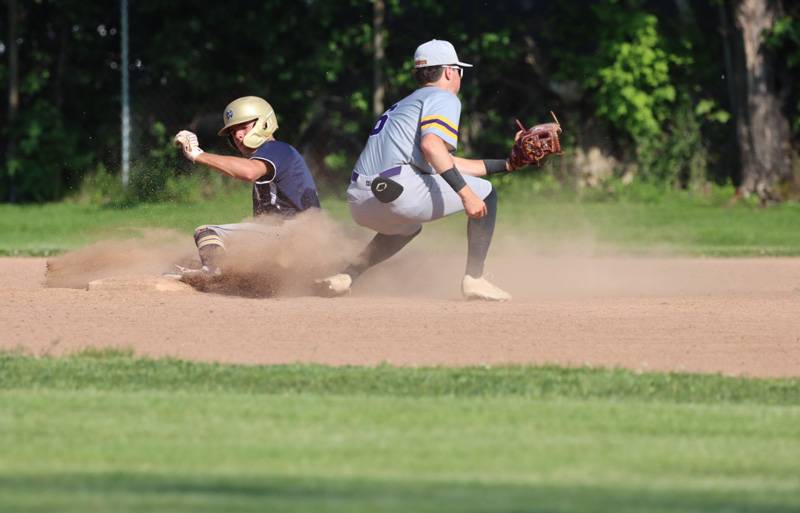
x=735, y=316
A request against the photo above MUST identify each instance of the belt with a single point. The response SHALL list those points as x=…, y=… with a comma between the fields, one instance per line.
x=367, y=180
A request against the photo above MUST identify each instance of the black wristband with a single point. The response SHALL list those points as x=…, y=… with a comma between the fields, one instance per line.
x=494, y=166
x=454, y=179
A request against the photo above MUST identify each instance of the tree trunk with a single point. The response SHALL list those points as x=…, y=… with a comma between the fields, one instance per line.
x=379, y=88
x=762, y=129
x=13, y=89
x=13, y=62
x=734, y=79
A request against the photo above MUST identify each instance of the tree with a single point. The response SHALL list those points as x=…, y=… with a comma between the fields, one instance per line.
x=762, y=129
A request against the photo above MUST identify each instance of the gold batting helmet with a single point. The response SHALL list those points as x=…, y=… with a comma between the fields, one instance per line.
x=246, y=109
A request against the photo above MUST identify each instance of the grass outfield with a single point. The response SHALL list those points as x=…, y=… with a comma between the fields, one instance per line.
x=675, y=222
x=105, y=431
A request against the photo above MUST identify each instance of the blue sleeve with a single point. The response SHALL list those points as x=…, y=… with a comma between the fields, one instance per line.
x=264, y=154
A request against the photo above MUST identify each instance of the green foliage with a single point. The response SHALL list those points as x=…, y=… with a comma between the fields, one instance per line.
x=338, y=162
x=676, y=155
x=644, y=83
x=63, y=129
x=47, y=155
x=786, y=34
x=640, y=76
x=708, y=109
x=632, y=80
x=784, y=40
x=635, y=90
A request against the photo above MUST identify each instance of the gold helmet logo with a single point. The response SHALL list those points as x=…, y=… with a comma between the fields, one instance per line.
x=245, y=110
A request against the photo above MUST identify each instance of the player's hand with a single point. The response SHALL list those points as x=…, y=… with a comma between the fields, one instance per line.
x=187, y=141
x=474, y=207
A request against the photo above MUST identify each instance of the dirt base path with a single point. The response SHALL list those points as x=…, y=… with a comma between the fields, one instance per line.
x=735, y=316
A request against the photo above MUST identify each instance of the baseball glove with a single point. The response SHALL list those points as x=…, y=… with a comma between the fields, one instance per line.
x=534, y=144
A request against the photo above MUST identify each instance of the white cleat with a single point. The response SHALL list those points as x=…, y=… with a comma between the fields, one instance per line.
x=188, y=274
x=482, y=289
x=334, y=286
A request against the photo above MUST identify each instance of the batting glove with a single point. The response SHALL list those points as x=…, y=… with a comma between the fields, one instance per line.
x=187, y=141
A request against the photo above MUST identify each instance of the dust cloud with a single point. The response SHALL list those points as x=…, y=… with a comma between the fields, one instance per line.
x=283, y=259
x=543, y=267
x=286, y=258
x=151, y=254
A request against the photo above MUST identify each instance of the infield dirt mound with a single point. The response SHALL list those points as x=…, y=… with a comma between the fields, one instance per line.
x=735, y=316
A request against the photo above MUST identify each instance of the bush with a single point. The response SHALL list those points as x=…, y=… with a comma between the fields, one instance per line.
x=47, y=157
x=101, y=187
x=677, y=155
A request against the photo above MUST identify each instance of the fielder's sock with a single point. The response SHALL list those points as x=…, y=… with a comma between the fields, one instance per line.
x=379, y=249
x=479, y=236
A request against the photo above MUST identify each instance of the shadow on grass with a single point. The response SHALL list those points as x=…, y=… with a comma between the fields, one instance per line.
x=132, y=492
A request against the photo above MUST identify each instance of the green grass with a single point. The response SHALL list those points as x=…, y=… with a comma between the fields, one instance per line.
x=675, y=222
x=679, y=227
x=51, y=228
x=105, y=431
x=119, y=371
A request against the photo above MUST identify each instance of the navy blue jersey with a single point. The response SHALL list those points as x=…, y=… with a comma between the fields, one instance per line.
x=287, y=190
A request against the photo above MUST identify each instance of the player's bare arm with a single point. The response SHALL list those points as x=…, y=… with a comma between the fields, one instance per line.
x=471, y=167
x=438, y=155
x=475, y=167
x=236, y=167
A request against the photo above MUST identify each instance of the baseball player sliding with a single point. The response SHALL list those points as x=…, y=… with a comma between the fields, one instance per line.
x=406, y=175
x=282, y=183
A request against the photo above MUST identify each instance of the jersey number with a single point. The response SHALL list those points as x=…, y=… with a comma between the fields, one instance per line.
x=382, y=121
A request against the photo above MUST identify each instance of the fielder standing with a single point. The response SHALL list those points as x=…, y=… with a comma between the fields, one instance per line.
x=282, y=183
x=406, y=175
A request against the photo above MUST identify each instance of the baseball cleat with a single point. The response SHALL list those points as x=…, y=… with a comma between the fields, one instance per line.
x=333, y=286
x=188, y=274
x=482, y=289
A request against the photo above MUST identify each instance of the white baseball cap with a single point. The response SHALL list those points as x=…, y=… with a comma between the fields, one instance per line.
x=437, y=53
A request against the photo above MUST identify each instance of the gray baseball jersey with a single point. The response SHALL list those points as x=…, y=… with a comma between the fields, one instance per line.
x=395, y=138
x=393, y=150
